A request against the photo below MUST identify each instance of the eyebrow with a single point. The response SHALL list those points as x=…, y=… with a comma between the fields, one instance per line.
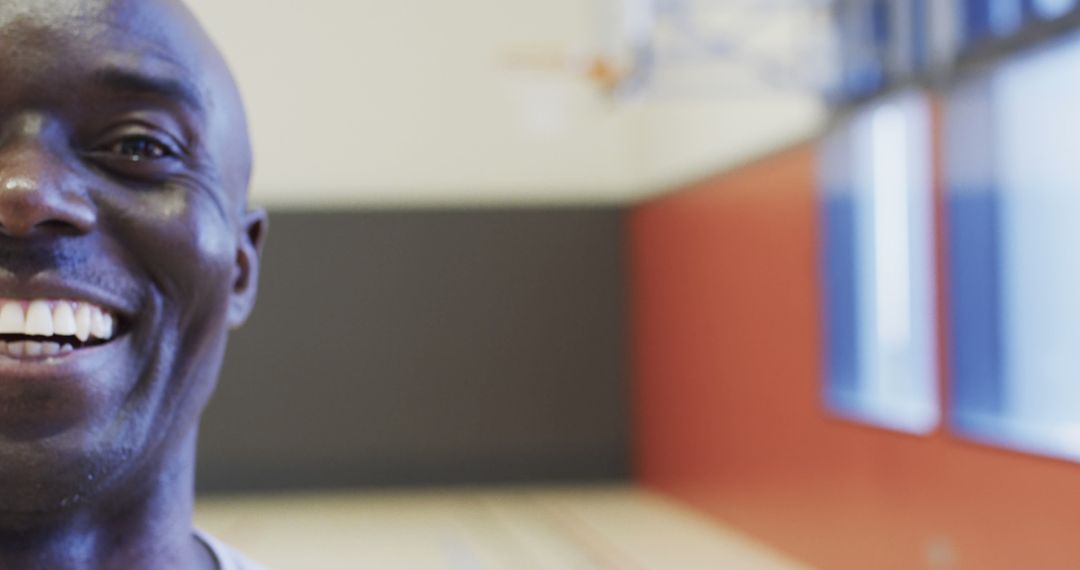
x=136, y=82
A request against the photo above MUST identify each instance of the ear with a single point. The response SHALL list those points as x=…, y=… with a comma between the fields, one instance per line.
x=246, y=271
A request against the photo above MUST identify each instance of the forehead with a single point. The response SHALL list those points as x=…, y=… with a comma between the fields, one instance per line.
x=53, y=42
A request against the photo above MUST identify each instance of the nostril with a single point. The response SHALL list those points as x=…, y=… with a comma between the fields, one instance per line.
x=55, y=227
x=58, y=227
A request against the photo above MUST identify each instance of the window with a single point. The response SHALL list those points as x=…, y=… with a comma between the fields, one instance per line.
x=1013, y=177
x=882, y=42
x=877, y=262
x=863, y=30
x=1052, y=8
x=983, y=19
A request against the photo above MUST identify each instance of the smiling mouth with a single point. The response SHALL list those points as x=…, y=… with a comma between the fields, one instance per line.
x=52, y=327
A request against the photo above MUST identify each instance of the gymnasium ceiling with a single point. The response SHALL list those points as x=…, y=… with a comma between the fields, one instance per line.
x=389, y=103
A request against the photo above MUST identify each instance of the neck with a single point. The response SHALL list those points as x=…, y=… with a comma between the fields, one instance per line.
x=147, y=526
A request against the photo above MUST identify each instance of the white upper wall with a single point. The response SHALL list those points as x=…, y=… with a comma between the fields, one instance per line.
x=411, y=102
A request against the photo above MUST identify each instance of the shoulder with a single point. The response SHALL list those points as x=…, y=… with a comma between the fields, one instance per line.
x=227, y=558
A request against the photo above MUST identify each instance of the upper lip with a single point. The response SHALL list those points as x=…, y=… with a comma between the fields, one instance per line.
x=42, y=287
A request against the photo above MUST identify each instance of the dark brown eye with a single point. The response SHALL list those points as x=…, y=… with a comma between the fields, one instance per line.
x=138, y=153
x=139, y=148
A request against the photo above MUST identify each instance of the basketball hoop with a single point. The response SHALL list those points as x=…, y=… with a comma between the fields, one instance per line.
x=700, y=48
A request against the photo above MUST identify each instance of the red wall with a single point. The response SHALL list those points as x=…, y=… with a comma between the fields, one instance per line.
x=726, y=343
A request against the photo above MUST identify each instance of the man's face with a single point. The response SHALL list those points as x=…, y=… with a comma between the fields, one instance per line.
x=123, y=172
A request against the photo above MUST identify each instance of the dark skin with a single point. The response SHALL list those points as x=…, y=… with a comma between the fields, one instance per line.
x=124, y=168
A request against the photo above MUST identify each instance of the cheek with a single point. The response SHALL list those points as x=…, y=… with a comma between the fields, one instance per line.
x=182, y=251
x=183, y=246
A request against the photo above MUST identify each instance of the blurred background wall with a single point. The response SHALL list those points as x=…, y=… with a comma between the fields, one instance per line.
x=428, y=347
x=444, y=289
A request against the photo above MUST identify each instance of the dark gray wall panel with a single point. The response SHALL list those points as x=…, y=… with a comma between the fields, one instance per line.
x=427, y=347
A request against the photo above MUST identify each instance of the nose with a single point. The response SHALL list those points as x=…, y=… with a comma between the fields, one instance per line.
x=39, y=194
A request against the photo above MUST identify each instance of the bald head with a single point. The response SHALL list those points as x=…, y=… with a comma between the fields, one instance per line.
x=160, y=41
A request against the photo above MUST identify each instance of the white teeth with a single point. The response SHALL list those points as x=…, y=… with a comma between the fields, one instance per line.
x=64, y=320
x=39, y=320
x=110, y=326
x=83, y=319
x=46, y=318
x=12, y=320
x=33, y=349
x=100, y=324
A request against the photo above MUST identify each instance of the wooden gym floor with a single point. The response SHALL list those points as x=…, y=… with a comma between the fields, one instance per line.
x=502, y=529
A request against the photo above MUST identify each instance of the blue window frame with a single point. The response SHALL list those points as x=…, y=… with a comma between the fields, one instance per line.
x=1013, y=178
x=877, y=267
